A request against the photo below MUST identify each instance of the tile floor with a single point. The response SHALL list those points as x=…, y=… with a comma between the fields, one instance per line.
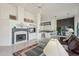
x=8, y=50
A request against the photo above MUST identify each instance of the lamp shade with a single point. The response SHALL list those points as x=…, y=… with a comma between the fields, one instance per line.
x=54, y=48
x=51, y=48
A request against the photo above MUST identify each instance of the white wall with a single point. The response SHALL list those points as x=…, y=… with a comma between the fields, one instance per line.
x=20, y=14
x=6, y=24
x=38, y=19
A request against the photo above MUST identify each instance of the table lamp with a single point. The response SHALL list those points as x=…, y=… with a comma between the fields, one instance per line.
x=51, y=48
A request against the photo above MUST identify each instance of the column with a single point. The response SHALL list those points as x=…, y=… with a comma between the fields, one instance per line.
x=38, y=19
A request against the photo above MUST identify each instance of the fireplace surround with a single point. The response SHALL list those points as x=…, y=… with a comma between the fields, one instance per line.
x=19, y=35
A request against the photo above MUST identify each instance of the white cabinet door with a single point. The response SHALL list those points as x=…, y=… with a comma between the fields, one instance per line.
x=32, y=36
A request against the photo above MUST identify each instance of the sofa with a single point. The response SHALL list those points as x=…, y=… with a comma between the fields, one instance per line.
x=72, y=45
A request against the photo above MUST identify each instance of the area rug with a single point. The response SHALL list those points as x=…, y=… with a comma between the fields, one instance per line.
x=33, y=50
x=23, y=51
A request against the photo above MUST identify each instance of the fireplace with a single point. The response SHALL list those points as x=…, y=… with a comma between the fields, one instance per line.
x=20, y=37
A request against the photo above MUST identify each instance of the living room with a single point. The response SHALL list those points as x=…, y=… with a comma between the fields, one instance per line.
x=30, y=29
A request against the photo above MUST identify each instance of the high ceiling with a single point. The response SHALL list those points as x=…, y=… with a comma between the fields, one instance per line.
x=49, y=10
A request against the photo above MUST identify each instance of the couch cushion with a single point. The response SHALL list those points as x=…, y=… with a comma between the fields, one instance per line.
x=71, y=38
x=74, y=45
